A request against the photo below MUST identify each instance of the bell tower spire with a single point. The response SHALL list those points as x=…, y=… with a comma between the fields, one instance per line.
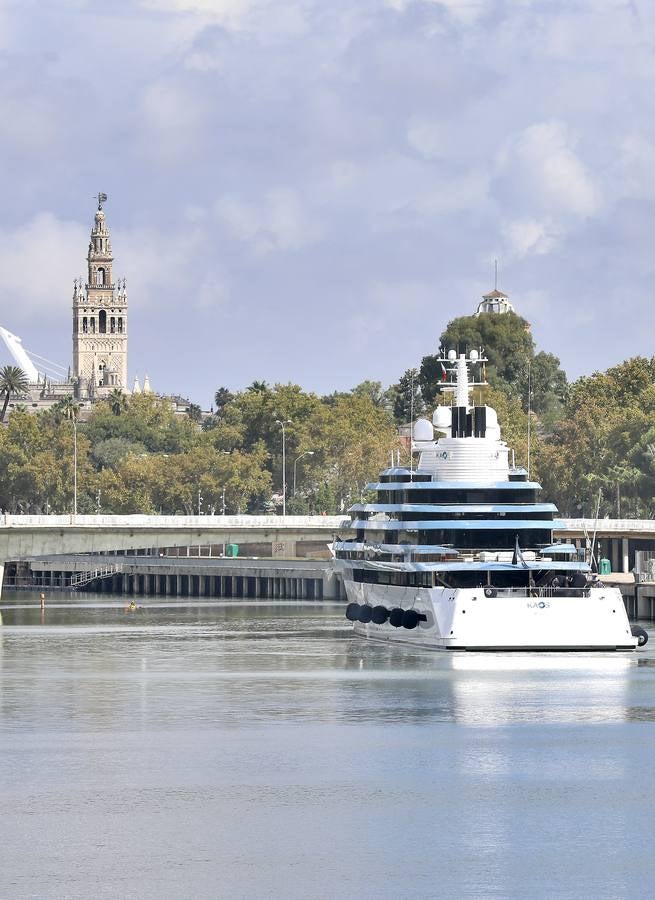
x=99, y=318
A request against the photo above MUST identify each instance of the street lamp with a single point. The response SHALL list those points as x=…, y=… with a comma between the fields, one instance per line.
x=199, y=502
x=225, y=453
x=73, y=420
x=306, y=453
x=282, y=423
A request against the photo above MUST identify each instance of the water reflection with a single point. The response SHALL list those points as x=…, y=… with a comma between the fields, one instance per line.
x=227, y=662
x=268, y=752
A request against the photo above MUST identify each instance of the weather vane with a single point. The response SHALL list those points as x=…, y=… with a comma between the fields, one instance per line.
x=102, y=198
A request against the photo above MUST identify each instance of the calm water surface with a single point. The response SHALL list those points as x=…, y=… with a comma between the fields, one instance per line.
x=256, y=750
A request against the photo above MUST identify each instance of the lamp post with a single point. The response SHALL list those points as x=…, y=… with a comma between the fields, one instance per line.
x=225, y=453
x=306, y=453
x=73, y=420
x=70, y=412
x=282, y=423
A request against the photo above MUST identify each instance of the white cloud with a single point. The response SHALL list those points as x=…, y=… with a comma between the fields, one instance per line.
x=543, y=163
x=228, y=13
x=380, y=307
x=426, y=137
x=278, y=222
x=266, y=17
x=212, y=293
x=466, y=12
x=38, y=262
x=171, y=122
x=160, y=265
x=394, y=184
x=467, y=191
x=635, y=164
x=529, y=236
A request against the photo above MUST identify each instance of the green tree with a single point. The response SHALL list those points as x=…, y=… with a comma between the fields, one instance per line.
x=194, y=412
x=147, y=420
x=257, y=387
x=352, y=440
x=36, y=457
x=70, y=408
x=509, y=346
x=407, y=397
x=13, y=382
x=222, y=398
x=601, y=443
x=117, y=401
x=111, y=452
x=375, y=392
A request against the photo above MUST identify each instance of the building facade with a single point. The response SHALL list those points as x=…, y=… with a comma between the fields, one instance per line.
x=99, y=319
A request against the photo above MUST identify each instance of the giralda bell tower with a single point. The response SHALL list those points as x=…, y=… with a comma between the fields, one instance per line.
x=99, y=319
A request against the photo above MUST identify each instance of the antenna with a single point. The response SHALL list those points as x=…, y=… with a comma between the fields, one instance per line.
x=593, y=560
x=495, y=272
x=529, y=415
x=411, y=435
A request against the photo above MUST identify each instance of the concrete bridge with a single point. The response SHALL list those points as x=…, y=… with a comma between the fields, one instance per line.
x=24, y=537
x=617, y=539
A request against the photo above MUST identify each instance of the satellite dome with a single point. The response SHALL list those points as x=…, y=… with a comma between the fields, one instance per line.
x=442, y=418
x=423, y=430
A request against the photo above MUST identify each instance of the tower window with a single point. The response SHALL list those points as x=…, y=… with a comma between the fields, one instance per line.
x=112, y=325
x=100, y=276
x=102, y=321
x=120, y=324
x=92, y=323
x=85, y=325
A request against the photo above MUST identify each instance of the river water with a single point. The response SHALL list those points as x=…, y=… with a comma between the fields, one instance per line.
x=259, y=750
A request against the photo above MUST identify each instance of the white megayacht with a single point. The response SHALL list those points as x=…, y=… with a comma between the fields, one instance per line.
x=458, y=553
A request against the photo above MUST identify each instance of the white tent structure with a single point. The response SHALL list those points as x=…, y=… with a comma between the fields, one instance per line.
x=15, y=347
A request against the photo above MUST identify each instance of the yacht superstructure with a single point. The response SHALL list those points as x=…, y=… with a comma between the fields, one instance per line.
x=458, y=553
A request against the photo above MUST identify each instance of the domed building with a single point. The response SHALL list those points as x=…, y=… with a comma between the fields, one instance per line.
x=495, y=302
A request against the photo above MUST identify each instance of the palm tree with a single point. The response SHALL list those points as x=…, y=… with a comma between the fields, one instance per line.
x=222, y=397
x=12, y=381
x=69, y=408
x=117, y=401
x=257, y=387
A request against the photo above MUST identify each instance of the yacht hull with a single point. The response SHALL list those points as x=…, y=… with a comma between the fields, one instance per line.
x=467, y=619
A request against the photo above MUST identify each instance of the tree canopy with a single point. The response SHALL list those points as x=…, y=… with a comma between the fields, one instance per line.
x=136, y=455
x=513, y=363
x=593, y=438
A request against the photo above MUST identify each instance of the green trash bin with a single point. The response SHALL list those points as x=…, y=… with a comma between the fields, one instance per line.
x=605, y=567
x=232, y=550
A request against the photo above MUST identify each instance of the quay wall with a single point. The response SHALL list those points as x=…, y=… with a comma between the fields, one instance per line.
x=193, y=577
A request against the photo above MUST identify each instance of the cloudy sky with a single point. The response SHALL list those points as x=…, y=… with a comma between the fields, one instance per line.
x=307, y=191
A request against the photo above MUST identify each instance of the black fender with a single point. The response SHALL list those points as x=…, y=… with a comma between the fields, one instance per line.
x=352, y=612
x=380, y=615
x=640, y=634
